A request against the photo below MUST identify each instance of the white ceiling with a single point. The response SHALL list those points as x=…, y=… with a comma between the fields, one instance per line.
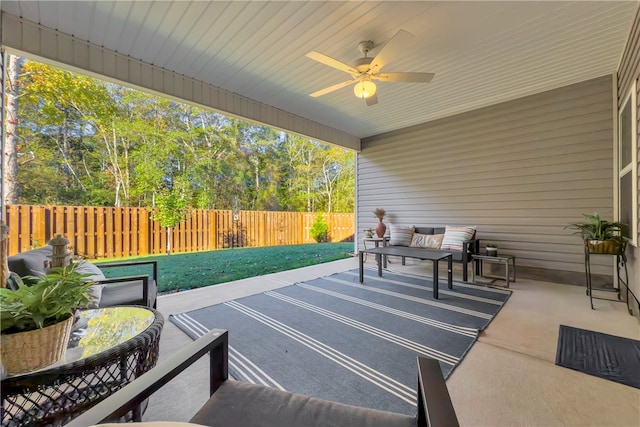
x=482, y=52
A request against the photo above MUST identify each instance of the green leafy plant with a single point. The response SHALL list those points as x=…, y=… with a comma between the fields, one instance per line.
x=596, y=228
x=52, y=299
x=491, y=245
x=320, y=230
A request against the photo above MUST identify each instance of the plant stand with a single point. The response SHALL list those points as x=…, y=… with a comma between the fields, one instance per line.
x=621, y=265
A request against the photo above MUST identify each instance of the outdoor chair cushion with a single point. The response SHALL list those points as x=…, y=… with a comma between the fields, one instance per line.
x=125, y=293
x=30, y=263
x=238, y=403
x=120, y=292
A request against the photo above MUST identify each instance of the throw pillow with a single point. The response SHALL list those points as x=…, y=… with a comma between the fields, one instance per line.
x=400, y=235
x=454, y=236
x=418, y=240
x=434, y=241
x=426, y=241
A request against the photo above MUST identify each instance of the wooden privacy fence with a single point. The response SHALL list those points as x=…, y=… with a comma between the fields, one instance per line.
x=99, y=232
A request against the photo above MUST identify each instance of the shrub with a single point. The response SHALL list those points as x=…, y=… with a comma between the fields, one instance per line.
x=320, y=229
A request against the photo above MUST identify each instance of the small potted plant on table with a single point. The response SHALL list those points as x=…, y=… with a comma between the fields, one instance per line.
x=492, y=249
x=36, y=320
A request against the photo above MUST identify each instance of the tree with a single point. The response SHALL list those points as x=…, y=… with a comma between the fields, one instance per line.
x=9, y=184
x=83, y=141
x=170, y=210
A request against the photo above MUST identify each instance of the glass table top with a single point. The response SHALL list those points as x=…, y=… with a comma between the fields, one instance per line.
x=102, y=329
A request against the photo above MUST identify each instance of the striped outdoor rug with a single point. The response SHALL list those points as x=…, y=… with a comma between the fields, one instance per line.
x=336, y=339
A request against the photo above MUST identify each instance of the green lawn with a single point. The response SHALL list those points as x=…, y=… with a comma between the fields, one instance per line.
x=199, y=269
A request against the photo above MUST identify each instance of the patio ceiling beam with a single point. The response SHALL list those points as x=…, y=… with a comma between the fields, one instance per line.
x=26, y=38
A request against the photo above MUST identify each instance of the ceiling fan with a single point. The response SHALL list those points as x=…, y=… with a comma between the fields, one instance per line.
x=365, y=69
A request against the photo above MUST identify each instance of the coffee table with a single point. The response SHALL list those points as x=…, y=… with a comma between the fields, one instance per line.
x=418, y=253
x=108, y=349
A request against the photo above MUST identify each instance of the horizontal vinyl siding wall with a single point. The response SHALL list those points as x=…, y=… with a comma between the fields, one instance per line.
x=629, y=72
x=520, y=171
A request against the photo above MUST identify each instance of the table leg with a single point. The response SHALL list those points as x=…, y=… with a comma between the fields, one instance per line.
x=450, y=271
x=361, y=263
x=506, y=272
x=435, y=279
x=379, y=265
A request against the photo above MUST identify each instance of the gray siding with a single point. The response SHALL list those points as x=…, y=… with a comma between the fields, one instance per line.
x=629, y=72
x=520, y=171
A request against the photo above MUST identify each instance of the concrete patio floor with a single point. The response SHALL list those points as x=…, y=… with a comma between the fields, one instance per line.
x=508, y=378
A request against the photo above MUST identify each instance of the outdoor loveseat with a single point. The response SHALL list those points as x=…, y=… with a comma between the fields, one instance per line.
x=457, y=240
x=127, y=290
x=235, y=403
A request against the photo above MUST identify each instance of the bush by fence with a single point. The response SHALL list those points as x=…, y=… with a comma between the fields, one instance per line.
x=103, y=232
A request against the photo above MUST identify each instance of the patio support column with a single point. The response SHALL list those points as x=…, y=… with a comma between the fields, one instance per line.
x=3, y=61
x=4, y=267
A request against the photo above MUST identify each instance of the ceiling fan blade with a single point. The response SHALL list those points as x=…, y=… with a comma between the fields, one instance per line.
x=327, y=60
x=405, y=77
x=332, y=88
x=372, y=100
x=390, y=50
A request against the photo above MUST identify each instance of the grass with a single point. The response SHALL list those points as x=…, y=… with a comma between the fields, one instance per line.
x=199, y=269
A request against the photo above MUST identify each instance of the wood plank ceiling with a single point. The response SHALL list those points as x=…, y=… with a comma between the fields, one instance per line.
x=482, y=52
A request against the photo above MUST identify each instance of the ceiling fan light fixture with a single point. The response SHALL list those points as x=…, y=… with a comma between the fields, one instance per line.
x=365, y=89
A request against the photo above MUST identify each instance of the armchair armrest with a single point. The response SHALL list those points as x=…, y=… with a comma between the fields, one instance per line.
x=214, y=342
x=471, y=246
x=146, y=285
x=434, y=403
x=154, y=264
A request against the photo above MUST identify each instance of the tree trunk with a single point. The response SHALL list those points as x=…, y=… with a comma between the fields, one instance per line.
x=168, y=240
x=9, y=190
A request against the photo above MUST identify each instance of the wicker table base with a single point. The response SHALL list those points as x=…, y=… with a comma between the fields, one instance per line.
x=109, y=348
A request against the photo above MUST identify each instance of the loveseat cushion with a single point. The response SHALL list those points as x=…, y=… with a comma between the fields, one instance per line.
x=30, y=263
x=95, y=274
x=454, y=236
x=238, y=403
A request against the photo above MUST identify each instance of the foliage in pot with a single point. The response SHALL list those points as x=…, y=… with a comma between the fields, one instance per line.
x=596, y=230
x=492, y=249
x=30, y=313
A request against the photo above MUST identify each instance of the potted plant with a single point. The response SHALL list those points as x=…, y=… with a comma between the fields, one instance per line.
x=492, y=249
x=601, y=236
x=381, y=228
x=36, y=320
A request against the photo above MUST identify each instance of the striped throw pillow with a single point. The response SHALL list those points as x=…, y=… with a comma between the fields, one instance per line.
x=454, y=236
x=400, y=235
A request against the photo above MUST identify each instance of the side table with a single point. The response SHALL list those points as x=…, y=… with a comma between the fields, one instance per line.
x=509, y=262
x=376, y=241
x=108, y=348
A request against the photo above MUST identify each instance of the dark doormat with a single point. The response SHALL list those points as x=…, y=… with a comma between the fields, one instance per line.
x=602, y=355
